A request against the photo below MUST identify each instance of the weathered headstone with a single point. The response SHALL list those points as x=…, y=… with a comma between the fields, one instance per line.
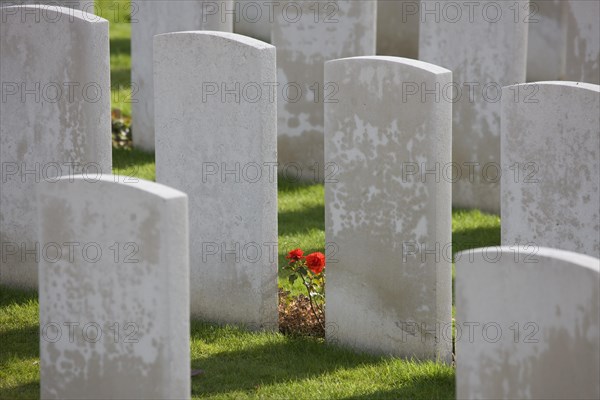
x=583, y=41
x=153, y=18
x=84, y=5
x=54, y=69
x=551, y=167
x=307, y=34
x=485, y=45
x=114, y=289
x=398, y=28
x=387, y=216
x=527, y=324
x=547, y=42
x=254, y=18
x=216, y=141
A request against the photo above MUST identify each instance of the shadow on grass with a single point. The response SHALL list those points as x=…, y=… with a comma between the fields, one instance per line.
x=473, y=238
x=120, y=78
x=120, y=46
x=125, y=158
x=287, y=185
x=16, y=296
x=20, y=343
x=301, y=221
x=294, y=359
x=29, y=390
x=244, y=369
x=416, y=388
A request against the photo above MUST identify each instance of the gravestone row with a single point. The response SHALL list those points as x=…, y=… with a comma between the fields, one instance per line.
x=385, y=233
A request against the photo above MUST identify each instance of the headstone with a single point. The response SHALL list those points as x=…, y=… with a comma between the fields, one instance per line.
x=307, y=34
x=387, y=219
x=55, y=74
x=161, y=16
x=551, y=167
x=83, y=5
x=398, y=28
x=547, y=44
x=114, y=290
x=583, y=41
x=254, y=18
x=485, y=45
x=527, y=324
x=217, y=142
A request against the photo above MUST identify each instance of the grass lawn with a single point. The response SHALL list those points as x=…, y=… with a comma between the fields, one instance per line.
x=241, y=364
x=117, y=12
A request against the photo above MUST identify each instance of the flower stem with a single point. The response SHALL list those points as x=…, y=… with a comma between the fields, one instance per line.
x=310, y=299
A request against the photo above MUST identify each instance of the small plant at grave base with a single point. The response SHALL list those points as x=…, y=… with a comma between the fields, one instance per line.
x=310, y=270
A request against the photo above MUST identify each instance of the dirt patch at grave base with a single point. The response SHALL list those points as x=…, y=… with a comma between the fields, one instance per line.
x=121, y=130
x=296, y=316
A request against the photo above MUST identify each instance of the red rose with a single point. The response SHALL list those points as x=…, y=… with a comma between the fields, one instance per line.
x=315, y=262
x=295, y=255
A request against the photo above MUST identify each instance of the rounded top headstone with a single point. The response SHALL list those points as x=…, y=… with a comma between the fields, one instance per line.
x=579, y=85
x=434, y=69
x=51, y=14
x=225, y=36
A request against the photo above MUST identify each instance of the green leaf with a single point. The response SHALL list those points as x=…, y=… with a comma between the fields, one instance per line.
x=292, y=278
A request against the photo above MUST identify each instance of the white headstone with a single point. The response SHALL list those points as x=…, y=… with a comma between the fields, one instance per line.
x=583, y=41
x=484, y=43
x=83, y=5
x=254, y=18
x=306, y=35
x=551, y=167
x=114, y=290
x=55, y=108
x=216, y=141
x=398, y=28
x=527, y=324
x=389, y=283
x=547, y=44
x=162, y=16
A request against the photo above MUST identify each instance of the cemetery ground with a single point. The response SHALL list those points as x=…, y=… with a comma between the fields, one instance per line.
x=241, y=364
x=237, y=363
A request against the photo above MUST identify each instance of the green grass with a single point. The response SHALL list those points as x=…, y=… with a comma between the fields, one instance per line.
x=116, y=12
x=240, y=364
x=301, y=224
x=472, y=229
x=244, y=365
x=133, y=163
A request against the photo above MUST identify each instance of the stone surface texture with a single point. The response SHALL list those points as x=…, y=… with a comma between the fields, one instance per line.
x=343, y=29
x=385, y=294
x=83, y=5
x=254, y=18
x=153, y=18
x=528, y=323
x=222, y=151
x=551, y=167
x=55, y=118
x=114, y=290
x=547, y=44
x=398, y=28
x=486, y=50
x=583, y=41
